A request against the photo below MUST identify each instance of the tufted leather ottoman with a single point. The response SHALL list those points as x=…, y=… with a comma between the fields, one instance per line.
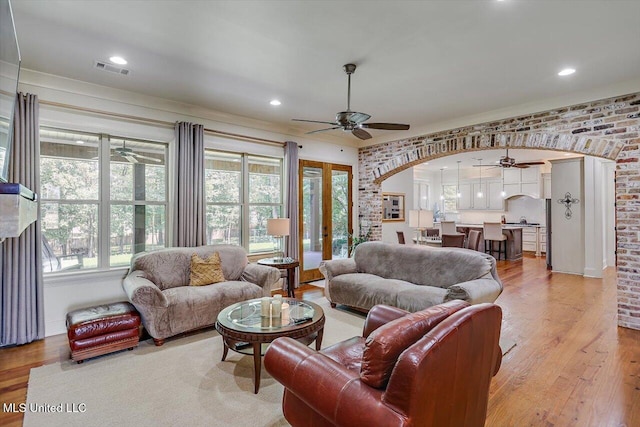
x=102, y=329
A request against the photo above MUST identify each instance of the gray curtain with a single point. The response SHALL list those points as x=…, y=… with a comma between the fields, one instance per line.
x=291, y=165
x=189, y=211
x=21, y=299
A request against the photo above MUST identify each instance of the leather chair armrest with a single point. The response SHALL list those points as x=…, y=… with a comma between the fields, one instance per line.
x=143, y=292
x=344, y=400
x=262, y=275
x=336, y=267
x=380, y=315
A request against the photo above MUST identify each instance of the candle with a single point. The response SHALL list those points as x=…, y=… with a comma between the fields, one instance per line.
x=277, y=307
x=265, y=306
x=285, y=313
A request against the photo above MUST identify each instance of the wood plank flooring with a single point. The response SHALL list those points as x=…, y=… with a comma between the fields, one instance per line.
x=571, y=366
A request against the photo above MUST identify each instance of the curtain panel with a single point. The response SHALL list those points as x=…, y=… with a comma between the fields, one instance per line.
x=189, y=220
x=291, y=167
x=21, y=298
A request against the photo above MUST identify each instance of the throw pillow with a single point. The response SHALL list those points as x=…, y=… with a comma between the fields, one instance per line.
x=206, y=271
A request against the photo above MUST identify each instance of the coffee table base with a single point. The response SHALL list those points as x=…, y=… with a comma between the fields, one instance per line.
x=251, y=344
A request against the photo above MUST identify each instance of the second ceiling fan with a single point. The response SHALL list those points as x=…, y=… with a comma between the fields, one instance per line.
x=353, y=121
x=510, y=162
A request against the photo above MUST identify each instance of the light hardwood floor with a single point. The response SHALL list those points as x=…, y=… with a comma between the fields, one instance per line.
x=571, y=366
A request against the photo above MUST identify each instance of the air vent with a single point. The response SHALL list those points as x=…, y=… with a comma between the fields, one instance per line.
x=102, y=65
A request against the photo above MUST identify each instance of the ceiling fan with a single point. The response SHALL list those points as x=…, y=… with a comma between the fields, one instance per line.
x=510, y=162
x=354, y=121
x=130, y=155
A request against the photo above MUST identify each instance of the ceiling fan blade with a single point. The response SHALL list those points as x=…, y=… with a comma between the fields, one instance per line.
x=140, y=156
x=131, y=159
x=323, y=130
x=314, y=121
x=520, y=166
x=485, y=166
x=361, y=133
x=529, y=163
x=385, y=126
x=358, y=118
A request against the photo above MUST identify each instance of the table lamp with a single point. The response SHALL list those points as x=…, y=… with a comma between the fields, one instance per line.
x=278, y=228
x=420, y=219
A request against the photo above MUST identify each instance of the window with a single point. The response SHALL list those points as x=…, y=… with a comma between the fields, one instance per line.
x=242, y=192
x=102, y=199
x=450, y=200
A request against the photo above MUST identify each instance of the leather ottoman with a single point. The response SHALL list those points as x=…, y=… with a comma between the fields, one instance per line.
x=102, y=329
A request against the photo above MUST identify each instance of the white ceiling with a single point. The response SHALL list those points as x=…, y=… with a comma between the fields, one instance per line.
x=418, y=62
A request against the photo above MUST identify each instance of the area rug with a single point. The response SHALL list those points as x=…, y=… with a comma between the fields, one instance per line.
x=183, y=382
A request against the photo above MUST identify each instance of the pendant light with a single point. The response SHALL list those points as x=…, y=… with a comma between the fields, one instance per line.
x=480, y=195
x=503, y=193
x=458, y=183
x=441, y=184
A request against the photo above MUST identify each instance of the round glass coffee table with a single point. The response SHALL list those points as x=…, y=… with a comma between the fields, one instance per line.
x=245, y=330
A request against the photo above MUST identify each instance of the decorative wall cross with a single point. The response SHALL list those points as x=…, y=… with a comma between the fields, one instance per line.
x=567, y=202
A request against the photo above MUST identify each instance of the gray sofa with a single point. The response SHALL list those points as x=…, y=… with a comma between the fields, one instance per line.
x=158, y=286
x=410, y=277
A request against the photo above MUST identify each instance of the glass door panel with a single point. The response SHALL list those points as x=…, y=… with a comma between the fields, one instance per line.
x=312, y=219
x=325, y=212
x=340, y=214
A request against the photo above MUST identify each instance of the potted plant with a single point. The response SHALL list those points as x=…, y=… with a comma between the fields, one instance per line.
x=360, y=238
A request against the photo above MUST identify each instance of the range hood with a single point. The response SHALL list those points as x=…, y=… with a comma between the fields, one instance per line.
x=18, y=209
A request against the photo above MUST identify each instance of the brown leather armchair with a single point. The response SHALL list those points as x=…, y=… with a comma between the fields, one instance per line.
x=429, y=368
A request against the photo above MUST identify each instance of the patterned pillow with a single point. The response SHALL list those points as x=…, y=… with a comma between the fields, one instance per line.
x=206, y=271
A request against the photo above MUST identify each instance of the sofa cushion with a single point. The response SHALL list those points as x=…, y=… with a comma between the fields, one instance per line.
x=441, y=267
x=206, y=271
x=418, y=298
x=385, y=344
x=362, y=290
x=192, y=307
x=348, y=353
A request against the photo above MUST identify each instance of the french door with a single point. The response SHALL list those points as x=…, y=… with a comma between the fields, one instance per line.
x=325, y=212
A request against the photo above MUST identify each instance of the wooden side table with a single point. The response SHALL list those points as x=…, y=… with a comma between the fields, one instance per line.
x=288, y=264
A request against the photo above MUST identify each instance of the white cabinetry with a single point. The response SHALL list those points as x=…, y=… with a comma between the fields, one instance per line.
x=534, y=239
x=491, y=196
x=522, y=181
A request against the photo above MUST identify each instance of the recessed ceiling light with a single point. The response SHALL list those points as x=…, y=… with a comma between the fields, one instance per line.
x=118, y=60
x=566, y=72
x=79, y=142
x=275, y=102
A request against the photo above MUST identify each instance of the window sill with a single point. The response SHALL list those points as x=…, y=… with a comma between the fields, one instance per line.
x=87, y=277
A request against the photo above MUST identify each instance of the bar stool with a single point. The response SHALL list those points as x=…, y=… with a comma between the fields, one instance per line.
x=473, y=241
x=493, y=233
x=448, y=227
x=400, y=237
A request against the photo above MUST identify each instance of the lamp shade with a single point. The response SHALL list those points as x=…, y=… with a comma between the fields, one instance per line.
x=278, y=226
x=420, y=218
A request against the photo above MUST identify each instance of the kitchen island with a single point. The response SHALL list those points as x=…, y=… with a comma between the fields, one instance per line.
x=512, y=232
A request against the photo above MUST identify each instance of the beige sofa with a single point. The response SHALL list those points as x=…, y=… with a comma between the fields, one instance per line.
x=158, y=286
x=410, y=277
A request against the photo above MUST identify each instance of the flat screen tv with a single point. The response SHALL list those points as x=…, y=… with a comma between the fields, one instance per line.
x=9, y=72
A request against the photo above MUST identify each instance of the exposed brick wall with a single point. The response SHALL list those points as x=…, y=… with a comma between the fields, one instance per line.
x=608, y=128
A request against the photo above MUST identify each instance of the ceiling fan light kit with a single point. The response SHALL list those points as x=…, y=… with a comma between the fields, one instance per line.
x=354, y=121
x=131, y=156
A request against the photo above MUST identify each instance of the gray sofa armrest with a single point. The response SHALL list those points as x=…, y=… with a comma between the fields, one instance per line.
x=336, y=267
x=262, y=275
x=484, y=289
x=143, y=292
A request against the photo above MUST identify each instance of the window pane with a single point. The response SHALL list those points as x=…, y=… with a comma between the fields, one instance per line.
x=121, y=181
x=121, y=242
x=223, y=177
x=223, y=224
x=70, y=235
x=259, y=240
x=137, y=170
x=264, y=180
x=155, y=227
x=68, y=165
x=340, y=214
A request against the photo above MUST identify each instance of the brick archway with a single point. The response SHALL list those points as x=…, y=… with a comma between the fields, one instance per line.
x=608, y=128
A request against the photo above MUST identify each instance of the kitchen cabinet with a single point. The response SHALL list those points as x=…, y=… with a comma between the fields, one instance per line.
x=465, y=201
x=491, y=196
x=522, y=181
x=534, y=239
